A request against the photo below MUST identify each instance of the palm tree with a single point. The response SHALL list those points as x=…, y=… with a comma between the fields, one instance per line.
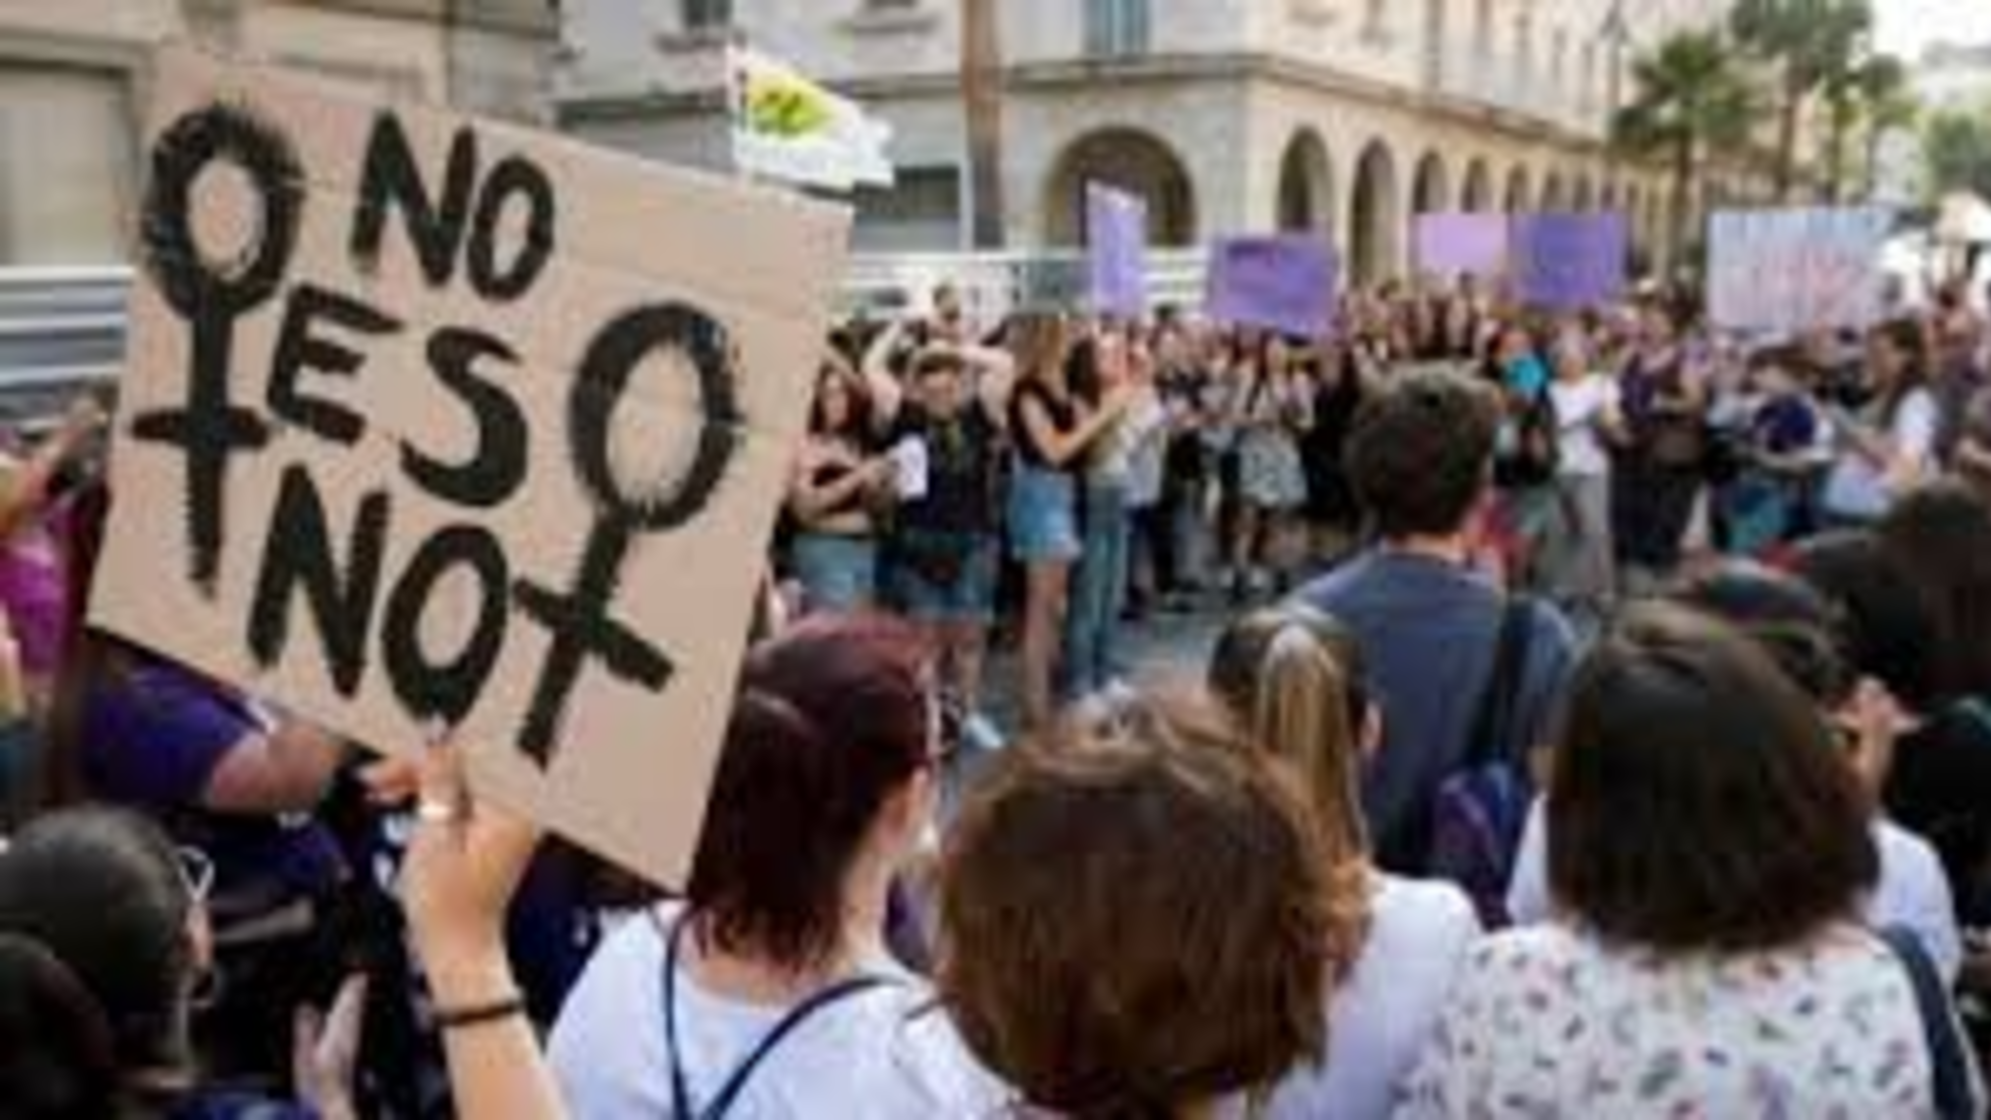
x=981, y=94
x=1691, y=99
x=1843, y=106
x=1807, y=42
x=1891, y=106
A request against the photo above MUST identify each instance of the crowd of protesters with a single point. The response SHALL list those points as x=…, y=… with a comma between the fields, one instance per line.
x=1600, y=726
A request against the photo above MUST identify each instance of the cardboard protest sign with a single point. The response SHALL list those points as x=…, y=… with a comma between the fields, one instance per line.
x=1116, y=251
x=1567, y=262
x=1454, y=244
x=1789, y=271
x=1283, y=283
x=429, y=420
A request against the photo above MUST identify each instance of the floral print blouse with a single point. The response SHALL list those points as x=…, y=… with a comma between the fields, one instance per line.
x=1548, y=1023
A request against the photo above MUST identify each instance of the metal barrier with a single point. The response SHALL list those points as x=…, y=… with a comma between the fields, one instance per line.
x=993, y=284
x=62, y=329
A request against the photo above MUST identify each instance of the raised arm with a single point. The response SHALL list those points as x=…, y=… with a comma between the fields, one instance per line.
x=887, y=395
x=465, y=863
x=995, y=378
x=1060, y=448
x=33, y=477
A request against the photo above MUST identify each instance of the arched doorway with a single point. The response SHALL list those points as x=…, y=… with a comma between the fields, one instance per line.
x=1133, y=161
x=1517, y=200
x=1608, y=199
x=1432, y=192
x=1376, y=220
x=1306, y=184
x=1554, y=198
x=1585, y=196
x=1478, y=196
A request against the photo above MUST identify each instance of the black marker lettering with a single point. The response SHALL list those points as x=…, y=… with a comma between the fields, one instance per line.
x=498, y=468
x=298, y=558
x=604, y=380
x=446, y=689
x=390, y=177
x=513, y=177
x=579, y=620
x=300, y=349
x=210, y=295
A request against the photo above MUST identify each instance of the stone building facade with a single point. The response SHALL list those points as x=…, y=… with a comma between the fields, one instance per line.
x=72, y=88
x=1342, y=116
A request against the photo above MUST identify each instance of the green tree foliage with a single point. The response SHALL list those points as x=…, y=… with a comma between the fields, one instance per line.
x=1691, y=98
x=1957, y=151
x=1812, y=47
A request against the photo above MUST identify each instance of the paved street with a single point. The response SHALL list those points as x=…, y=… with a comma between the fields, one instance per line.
x=1162, y=643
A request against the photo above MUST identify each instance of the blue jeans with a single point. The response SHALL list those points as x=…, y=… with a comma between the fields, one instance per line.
x=838, y=573
x=1099, y=588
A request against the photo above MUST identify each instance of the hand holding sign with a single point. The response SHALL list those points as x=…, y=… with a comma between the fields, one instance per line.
x=434, y=440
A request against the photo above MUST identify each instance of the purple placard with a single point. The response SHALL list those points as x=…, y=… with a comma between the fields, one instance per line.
x=1568, y=262
x=1283, y=283
x=1116, y=226
x=1453, y=244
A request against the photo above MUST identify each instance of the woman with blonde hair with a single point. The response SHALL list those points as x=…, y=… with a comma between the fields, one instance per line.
x=1053, y=430
x=1294, y=678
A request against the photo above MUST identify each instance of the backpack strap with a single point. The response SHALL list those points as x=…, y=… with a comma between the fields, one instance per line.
x=1949, y=1064
x=736, y=1081
x=1493, y=719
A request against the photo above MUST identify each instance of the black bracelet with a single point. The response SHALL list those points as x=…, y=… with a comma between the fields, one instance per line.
x=457, y=1018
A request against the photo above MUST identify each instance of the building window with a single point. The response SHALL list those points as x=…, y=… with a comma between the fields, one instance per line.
x=1483, y=29
x=708, y=15
x=1116, y=27
x=1559, y=60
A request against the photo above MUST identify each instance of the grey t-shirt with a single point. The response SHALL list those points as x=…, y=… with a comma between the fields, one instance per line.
x=1428, y=630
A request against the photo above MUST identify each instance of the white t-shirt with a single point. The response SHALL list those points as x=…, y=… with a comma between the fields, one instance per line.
x=884, y=1053
x=1856, y=487
x=1548, y=1023
x=1913, y=891
x=1580, y=407
x=1381, y=1017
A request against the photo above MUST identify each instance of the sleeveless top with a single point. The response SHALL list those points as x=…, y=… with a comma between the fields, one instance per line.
x=1061, y=411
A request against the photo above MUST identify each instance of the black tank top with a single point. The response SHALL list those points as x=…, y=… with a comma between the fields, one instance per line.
x=1062, y=413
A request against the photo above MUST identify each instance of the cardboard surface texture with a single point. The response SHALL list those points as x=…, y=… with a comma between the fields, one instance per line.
x=435, y=420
